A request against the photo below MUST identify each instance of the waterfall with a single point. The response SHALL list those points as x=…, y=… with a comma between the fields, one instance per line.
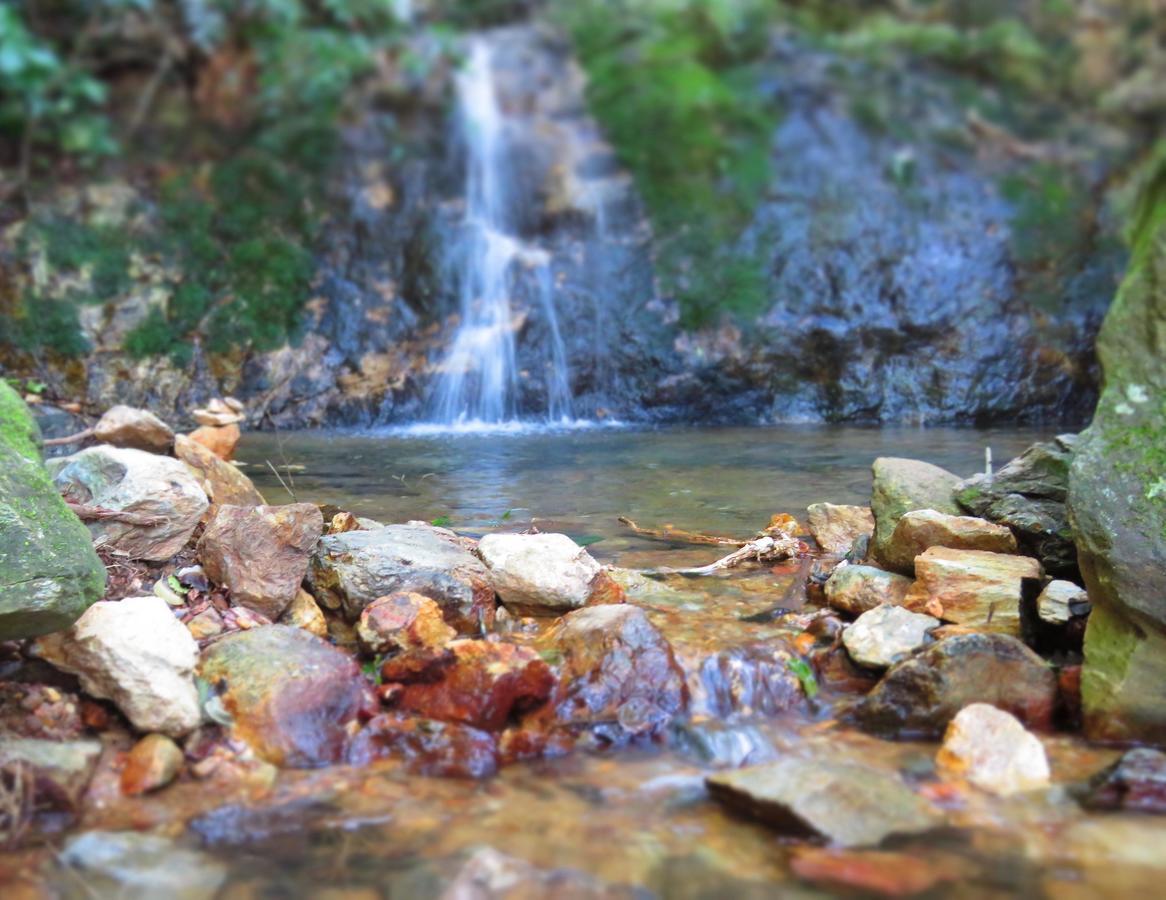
x=500, y=276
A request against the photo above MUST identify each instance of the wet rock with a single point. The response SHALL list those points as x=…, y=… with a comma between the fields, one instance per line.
x=858, y=589
x=206, y=624
x=1061, y=601
x=224, y=483
x=402, y=621
x=722, y=745
x=753, y=679
x=351, y=570
x=490, y=875
x=138, y=429
x=135, y=866
x=135, y=653
x=539, y=574
x=484, y=684
x=39, y=711
x=152, y=763
x=1135, y=783
x=136, y=482
x=303, y=612
x=291, y=695
x=428, y=747
x=1028, y=495
x=886, y=634
x=55, y=773
x=919, y=696
x=847, y=804
x=991, y=749
x=903, y=485
x=972, y=587
x=836, y=528
x=219, y=440
x=49, y=573
x=880, y=873
x=921, y=529
x=261, y=553
x=617, y=675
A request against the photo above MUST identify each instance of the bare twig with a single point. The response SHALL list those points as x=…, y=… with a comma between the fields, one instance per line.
x=766, y=549
x=69, y=438
x=99, y=513
x=677, y=535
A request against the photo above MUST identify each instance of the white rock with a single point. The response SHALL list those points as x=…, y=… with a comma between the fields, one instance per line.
x=135, y=653
x=882, y=636
x=534, y=573
x=1061, y=601
x=993, y=751
x=137, y=482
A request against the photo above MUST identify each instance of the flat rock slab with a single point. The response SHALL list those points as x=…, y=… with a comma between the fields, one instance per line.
x=972, y=587
x=848, y=804
x=886, y=634
x=918, y=697
x=921, y=529
x=350, y=570
x=539, y=574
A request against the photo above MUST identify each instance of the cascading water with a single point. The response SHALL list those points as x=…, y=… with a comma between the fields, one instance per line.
x=496, y=271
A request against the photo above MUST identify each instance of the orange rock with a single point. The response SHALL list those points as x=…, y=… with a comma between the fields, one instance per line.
x=402, y=621
x=223, y=482
x=152, y=763
x=887, y=874
x=220, y=440
x=971, y=587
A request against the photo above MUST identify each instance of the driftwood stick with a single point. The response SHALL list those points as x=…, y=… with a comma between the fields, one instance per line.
x=766, y=549
x=677, y=535
x=69, y=438
x=98, y=513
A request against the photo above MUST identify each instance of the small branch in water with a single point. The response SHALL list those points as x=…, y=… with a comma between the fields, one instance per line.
x=766, y=549
x=69, y=438
x=677, y=535
x=100, y=513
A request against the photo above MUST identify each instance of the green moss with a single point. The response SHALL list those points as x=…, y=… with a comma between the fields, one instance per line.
x=18, y=429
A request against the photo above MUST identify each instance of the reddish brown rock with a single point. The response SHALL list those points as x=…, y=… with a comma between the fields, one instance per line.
x=303, y=612
x=921, y=529
x=880, y=872
x=261, y=553
x=402, y=621
x=290, y=694
x=444, y=749
x=221, y=440
x=972, y=587
x=617, y=673
x=836, y=528
x=152, y=763
x=224, y=483
x=124, y=426
x=480, y=683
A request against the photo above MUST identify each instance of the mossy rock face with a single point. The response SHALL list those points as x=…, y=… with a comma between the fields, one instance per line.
x=49, y=573
x=1117, y=501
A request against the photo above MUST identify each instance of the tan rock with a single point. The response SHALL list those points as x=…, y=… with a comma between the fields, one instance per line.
x=971, y=587
x=1062, y=601
x=124, y=426
x=219, y=412
x=303, y=612
x=206, y=624
x=224, y=483
x=881, y=637
x=152, y=763
x=835, y=527
x=857, y=589
x=993, y=751
x=402, y=621
x=921, y=529
x=221, y=440
x=261, y=553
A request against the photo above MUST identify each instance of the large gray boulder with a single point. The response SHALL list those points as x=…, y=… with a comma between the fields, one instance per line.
x=1117, y=501
x=49, y=574
x=902, y=485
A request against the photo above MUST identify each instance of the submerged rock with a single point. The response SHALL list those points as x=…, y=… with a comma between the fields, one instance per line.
x=480, y=683
x=138, y=429
x=882, y=636
x=135, y=866
x=352, y=569
x=152, y=763
x=135, y=653
x=972, y=587
x=617, y=674
x=922, y=529
x=49, y=574
x=918, y=697
x=1135, y=783
x=59, y=771
x=539, y=574
x=261, y=553
x=427, y=747
x=291, y=695
x=991, y=749
x=756, y=678
x=402, y=621
x=858, y=589
x=836, y=528
x=136, y=482
x=847, y=804
x=490, y=875
x=903, y=485
x=1028, y=495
